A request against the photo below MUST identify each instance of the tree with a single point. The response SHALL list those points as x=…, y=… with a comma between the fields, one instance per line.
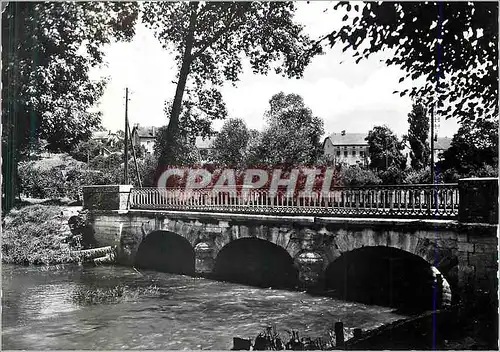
x=211, y=38
x=385, y=149
x=418, y=133
x=292, y=136
x=452, y=45
x=229, y=147
x=47, y=51
x=354, y=175
x=473, y=151
x=185, y=149
x=254, y=154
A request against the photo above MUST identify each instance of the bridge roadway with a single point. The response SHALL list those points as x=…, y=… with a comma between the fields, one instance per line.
x=460, y=257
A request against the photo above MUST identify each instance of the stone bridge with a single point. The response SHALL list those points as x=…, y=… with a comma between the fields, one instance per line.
x=375, y=260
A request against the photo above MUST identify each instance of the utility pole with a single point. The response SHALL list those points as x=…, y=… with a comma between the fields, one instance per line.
x=125, y=176
x=432, y=144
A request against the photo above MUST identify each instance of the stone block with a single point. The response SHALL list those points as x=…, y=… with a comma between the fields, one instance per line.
x=106, y=197
x=478, y=200
x=483, y=259
x=485, y=248
x=465, y=247
x=463, y=258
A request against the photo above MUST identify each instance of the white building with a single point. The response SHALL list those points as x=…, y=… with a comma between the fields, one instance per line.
x=144, y=136
x=347, y=148
x=204, y=146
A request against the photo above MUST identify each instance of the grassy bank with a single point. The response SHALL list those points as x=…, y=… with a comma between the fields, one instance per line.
x=38, y=234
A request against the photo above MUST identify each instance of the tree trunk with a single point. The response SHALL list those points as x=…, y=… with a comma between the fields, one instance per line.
x=169, y=139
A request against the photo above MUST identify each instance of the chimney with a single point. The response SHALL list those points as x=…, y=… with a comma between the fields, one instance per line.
x=342, y=132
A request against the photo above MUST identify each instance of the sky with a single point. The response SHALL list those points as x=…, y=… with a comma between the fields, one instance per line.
x=347, y=96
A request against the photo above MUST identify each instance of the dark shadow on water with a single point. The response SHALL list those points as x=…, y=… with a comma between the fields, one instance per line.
x=256, y=262
x=166, y=252
x=383, y=276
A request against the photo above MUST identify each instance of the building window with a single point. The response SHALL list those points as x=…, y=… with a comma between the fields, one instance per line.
x=362, y=154
x=345, y=154
x=338, y=152
x=353, y=153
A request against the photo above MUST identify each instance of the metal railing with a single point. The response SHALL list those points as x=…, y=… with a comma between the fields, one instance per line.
x=401, y=201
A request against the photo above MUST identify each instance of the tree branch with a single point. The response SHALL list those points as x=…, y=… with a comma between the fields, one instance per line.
x=217, y=35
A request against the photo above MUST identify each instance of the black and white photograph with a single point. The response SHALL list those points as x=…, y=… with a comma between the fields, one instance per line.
x=267, y=175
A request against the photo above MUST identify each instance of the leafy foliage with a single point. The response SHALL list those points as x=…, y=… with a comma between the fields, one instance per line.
x=473, y=151
x=418, y=134
x=58, y=177
x=293, y=134
x=453, y=46
x=210, y=40
x=385, y=149
x=48, y=49
x=37, y=234
x=183, y=147
x=229, y=147
x=357, y=176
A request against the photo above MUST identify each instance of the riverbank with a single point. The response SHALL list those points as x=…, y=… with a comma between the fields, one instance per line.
x=39, y=235
x=472, y=327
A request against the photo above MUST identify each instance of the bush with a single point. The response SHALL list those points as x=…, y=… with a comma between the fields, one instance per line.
x=57, y=177
x=37, y=234
x=357, y=176
x=418, y=177
x=392, y=176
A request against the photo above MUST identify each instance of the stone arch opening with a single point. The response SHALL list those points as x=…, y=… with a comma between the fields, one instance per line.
x=256, y=262
x=166, y=251
x=387, y=276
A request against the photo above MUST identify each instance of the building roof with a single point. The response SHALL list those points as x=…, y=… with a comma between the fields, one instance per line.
x=145, y=131
x=442, y=143
x=204, y=143
x=347, y=138
x=100, y=134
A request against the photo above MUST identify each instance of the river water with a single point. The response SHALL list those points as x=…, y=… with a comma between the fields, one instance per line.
x=41, y=310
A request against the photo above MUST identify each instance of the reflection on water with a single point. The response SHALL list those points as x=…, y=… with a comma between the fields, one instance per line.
x=40, y=311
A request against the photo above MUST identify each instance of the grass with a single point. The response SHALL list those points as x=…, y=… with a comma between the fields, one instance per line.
x=37, y=234
x=113, y=295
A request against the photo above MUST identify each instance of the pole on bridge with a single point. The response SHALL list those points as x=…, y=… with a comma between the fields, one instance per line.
x=125, y=173
x=432, y=145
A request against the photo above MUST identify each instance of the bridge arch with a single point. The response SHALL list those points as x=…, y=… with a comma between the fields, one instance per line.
x=256, y=262
x=389, y=276
x=166, y=251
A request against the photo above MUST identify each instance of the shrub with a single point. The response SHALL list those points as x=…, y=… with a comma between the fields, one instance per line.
x=418, y=177
x=357, y=176
x=58, y=177
x=392, y=176
x=37, y=234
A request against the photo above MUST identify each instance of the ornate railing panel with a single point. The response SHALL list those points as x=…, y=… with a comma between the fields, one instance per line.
x=401, y=201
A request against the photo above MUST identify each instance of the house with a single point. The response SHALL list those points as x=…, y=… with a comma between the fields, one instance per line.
x=108, y=141
x=441, y=144
x=204, y=147
x=145, y=137
x=348, y=148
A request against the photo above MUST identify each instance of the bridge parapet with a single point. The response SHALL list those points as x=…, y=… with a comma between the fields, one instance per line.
x=106, y=197
x=478, y=200
x=398, y=201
